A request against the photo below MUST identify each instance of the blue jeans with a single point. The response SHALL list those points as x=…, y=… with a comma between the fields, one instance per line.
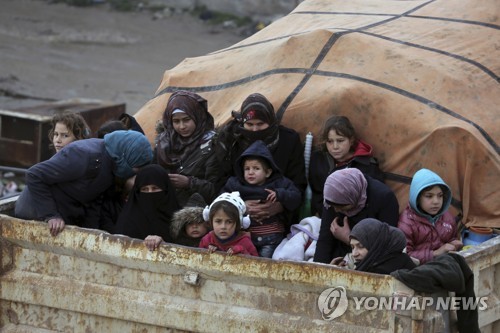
x=267, y=244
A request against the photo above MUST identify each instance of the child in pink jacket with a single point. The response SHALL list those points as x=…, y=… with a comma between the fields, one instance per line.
x=429, y=227
x=225, y=215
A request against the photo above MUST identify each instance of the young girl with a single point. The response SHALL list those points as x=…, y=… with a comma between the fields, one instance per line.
x=340, y=149
x=226, y=218
x=150, y=205
x=66, y=128
x=429, y=227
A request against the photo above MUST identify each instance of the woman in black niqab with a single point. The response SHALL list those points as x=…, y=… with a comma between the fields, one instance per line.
x=149, y=213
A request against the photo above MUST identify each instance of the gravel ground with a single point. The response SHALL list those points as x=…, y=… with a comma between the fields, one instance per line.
x=54, y=51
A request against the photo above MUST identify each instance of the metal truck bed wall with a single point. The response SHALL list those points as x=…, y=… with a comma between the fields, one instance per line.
x=90, y=281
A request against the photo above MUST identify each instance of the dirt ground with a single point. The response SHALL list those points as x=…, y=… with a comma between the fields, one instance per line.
x=54, y=51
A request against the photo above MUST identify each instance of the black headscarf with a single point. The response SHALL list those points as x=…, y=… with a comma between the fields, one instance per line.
x=257, y=106
x=149, y=213
x=380, y=239
x=173, y=148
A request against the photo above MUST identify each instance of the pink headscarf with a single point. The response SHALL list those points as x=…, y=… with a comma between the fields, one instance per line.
x=347, y=187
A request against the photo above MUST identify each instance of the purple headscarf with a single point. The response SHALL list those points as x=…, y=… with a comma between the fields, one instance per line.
x=347, y=187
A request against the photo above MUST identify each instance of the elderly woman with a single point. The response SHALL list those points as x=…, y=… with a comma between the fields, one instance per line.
x=351, y=197
x=257, y=121
x=185, y=147
x=68, y=188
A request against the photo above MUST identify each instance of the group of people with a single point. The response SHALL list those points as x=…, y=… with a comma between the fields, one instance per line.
x=237, y=188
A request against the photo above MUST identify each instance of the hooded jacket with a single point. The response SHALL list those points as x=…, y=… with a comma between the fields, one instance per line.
x=71, y=184
x=286, y=191
x=322, y=165
x=425, y=233
x=179, y=222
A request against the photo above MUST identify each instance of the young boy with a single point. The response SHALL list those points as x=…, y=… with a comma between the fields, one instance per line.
x=187, y=226
x=429, y=227
x=258, y=179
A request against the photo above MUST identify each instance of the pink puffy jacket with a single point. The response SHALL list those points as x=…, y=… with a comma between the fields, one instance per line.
x=422, y=237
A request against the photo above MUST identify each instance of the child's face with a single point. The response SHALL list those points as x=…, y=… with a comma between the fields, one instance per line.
x=359, y=252
x=338, y=146
x=431, y=201
x=255, y=173
x=196, y=230
x=183, y=124
x=224, y=226
x=62, y=136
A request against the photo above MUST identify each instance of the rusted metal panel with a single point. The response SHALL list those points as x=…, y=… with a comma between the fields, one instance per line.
x=24, y=132
x=90, y=281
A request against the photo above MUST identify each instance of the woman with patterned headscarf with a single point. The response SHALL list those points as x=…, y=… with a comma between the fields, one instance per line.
x=257, y=121
x=185, y=148
x=349, y=197
x=69, y=187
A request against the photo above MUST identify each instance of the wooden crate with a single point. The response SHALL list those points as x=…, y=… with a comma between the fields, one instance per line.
x=24, y=132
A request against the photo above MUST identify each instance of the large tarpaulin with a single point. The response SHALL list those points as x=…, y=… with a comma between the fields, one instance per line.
x=418, y=79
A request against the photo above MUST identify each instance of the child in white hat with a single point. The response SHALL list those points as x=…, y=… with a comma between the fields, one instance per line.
x=225, y=216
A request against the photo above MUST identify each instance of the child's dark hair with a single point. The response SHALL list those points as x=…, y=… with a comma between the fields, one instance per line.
x=109, y=127
x=265, y=163
x=342, y=125
x=443, y=188
x=227, y=208
x=74, y=122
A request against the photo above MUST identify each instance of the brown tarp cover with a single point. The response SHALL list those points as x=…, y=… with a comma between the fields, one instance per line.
x=418, y=79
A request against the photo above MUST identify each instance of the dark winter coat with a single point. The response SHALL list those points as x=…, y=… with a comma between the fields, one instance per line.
x=202, y=168
x=69, y=185
x=286, y=191
x=288, y=153
x=447, y=272
x=322, y=165
x=381, y=204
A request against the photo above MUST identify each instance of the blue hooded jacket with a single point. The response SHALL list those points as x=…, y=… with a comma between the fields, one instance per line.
x=422, y=179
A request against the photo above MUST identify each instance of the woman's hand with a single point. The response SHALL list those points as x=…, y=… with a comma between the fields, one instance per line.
x=259, y=211
x=152, y=242
x=341, y=232
x=56, y=225
x=272, y=195
x=445, y=248
x=179, y=181
x=339, y=261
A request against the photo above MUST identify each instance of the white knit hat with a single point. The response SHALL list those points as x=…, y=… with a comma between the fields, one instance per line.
x=234, y=199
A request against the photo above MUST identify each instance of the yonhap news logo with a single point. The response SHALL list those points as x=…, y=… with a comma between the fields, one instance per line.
x=333, y=303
